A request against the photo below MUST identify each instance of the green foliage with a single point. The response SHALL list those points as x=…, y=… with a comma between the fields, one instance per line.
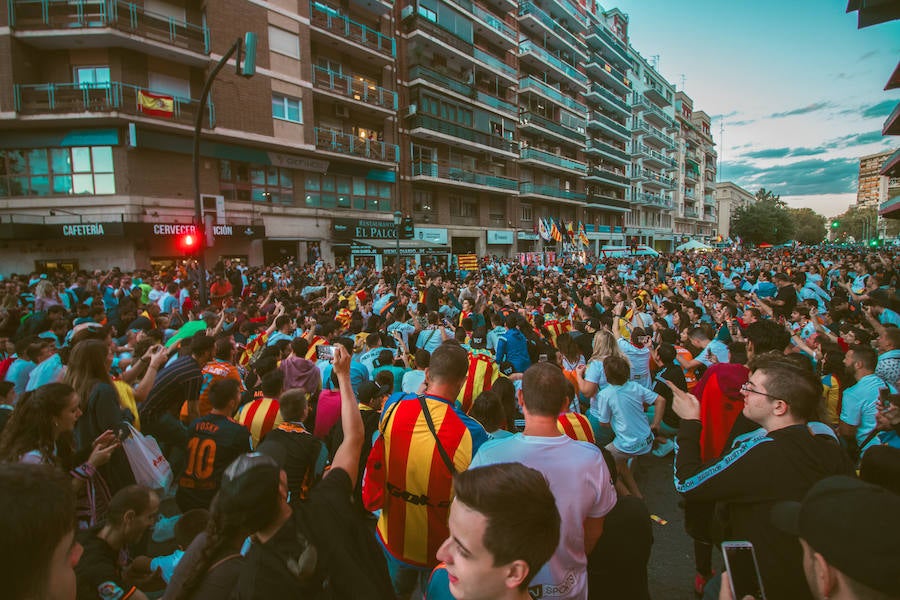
x=862, y=224
x=768, y=220
x=809, y=226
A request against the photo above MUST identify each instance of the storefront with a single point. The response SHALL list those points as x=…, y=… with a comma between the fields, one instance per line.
x=500, y=242
x=527, y=241
x=375, y=242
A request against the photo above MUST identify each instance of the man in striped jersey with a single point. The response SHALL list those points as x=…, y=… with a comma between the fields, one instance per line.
x=423, y=440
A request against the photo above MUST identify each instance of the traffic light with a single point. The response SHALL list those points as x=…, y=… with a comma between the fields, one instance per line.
x=835, y=224
x=876, y=242
x=189, y=243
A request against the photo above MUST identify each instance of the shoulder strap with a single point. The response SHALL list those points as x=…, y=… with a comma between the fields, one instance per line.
x=444, y=456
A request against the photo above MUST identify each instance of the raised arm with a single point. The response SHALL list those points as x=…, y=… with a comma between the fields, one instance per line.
x=347, y=455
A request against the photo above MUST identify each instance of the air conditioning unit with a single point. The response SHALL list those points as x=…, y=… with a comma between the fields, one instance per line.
x=341, y=111
x=407, y=12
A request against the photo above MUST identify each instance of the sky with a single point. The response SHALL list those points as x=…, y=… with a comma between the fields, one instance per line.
x=798, y=87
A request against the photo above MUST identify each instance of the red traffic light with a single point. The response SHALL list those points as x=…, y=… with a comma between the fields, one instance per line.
x=189, y=241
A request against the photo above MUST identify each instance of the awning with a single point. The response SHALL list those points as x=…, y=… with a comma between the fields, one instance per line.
x=389, y=247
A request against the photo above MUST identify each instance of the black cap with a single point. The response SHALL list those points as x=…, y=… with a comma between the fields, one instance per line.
x=369, y=390
x=854, y=525
x=507, y=368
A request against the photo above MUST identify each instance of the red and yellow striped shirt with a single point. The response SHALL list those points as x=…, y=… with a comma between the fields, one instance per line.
x=576, y=426
x=483, y=372
x=260, y=417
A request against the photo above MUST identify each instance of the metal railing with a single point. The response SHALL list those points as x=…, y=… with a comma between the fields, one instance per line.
x=495, y=23
x=609, y=174
x=668, y=181
x=127, y=17
x=552, y=159
x=612, y=124
x=598, y=89
x=611, y=40
x=445, y=170
x=617, y=75
x=328, y=19
x=419, y=23
x=527, y=187
x=347, y=143
x=652, y=200
x=608, y=148
x=56, y=98
x=570, y=71
x=446, y=80
x=545, y=123
x=656, y=155
x=551, y=92
x=353, y=88
x=464, y=133
x=530, y=8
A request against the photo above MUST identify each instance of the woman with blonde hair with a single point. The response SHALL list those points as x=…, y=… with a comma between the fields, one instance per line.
x=45, y=296
x=88, y=373
x=592, y=379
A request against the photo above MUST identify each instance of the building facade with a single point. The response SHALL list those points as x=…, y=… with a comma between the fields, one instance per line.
x=729, y=197
x=873, y=187
x=476, y=118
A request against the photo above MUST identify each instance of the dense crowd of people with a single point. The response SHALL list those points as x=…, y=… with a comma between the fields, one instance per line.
x=322, y=431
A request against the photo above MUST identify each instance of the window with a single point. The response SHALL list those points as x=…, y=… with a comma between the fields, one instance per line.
x=463, y=206
x=497, y=211
x=257, y=183
x=83, y=170
x=526, y=212
x=284, y=42
x=341, y=191
x=286, y=108
x=423, y=201
x=92, y=77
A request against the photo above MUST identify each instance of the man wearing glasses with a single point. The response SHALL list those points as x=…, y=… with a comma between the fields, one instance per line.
x=779, y=461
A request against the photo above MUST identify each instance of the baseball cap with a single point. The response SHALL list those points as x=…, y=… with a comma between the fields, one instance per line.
x=369, y=390
x=853, y=524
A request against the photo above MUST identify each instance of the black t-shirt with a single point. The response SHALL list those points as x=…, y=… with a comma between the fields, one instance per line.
x=326, y=517
x=788, y=295
x=674, y=374
x=297, y=452
x=215, y=441
x=98, y=573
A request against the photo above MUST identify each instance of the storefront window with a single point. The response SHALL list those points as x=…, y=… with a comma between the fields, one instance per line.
x=74, y=171
x=245, y=182
x=339, y=191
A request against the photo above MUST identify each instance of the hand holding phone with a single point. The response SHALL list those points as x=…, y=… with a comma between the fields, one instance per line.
x=325, y=353
x=743, y=571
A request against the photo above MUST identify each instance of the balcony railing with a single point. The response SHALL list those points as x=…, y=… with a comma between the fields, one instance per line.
x=614, y=125
x=653, y=200
x=59, y=98
x=709, y=200
x=551, y=92
x=691, y=213
x=668, y=181
x=691, y=174
x=545, y=123
x=608, y=148
x=617, y=75
x=598, y=89
x=689, y=194
x=495, y=23
x=418, y=23
x=353, y=145
x=656, y=155
x=527, y=187
x=444, y=170
x=552, y=159
x=611, y=40
x=564, y=67
x=444, y=80
x=608, y=174
x=529, y=8
x=353, y=88
x=463, y=133
x=659, y=113
x=658, y=134
x=124, y=16
x=602, y=199
x=324, y=17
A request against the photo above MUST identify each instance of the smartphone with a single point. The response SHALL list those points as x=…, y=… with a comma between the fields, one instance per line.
x=743, y=570
x=325, y=353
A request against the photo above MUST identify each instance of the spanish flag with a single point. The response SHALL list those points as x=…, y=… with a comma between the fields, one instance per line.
x=468, y=262
x=156, y=105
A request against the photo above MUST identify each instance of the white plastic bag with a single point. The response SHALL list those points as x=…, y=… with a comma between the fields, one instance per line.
x=149, y=466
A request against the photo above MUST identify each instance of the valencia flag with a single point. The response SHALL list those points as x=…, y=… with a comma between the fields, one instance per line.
x=156, y=105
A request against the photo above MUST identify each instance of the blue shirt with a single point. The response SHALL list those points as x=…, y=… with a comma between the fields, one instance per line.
x=513, y=347
x=859, y=405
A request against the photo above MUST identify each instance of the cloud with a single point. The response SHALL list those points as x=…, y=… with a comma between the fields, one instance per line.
x=857, y=139
x=806, y=151
x=800, y=178
x=742, y=123
x=769, y=153
x=803, y=110
x=882, y=109
x=869, y=54
x=725, y=116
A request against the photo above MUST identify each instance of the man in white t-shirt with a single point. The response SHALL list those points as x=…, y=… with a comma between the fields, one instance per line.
x=577, y=475
x=637, y=350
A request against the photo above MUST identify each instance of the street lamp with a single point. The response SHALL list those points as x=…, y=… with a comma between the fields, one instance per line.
x=398, y=218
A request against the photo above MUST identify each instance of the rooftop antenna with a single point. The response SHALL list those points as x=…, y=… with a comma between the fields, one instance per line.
x=682, y=82
x=654, y=60
x=722, y=146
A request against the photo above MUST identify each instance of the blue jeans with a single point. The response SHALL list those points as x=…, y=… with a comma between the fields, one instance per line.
x=405, y=577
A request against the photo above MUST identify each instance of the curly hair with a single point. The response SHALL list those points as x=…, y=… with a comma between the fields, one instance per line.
x=31, y=427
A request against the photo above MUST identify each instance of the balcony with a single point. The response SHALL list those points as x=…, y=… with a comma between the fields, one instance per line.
x=608, y=175
x=110, y=23
x=892, y=123
x=445, y=81
x=342, y=28
x=540, y=58
x=608, y=74
x=534, y=19
x=600, y=200
x=464, y=177
x=115, y=97
x=614, y=128
x=709, y=217
x=689, y=194
x=691, y=175
x=548, y=158
x=659, y=159
x=527, y=188
x=495, y=28
x=348, y=144
x=530, y=84
x=599, y=37
x=709, y=199
x=543, y=125
x=654, y=178
x=657, y=200
x=652, y=134
x=657, y=94
x=599, y=94
x=691, y=213
x=353, y=89
x=656, y=115
x=424, y=125
x=594, y=146
x=418, y=25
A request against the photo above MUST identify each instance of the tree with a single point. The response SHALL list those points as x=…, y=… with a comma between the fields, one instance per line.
x=767, y=220
x=809, y=226
x=862, y=223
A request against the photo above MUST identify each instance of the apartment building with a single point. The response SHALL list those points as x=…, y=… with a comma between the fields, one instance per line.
x=729, y=197
x=696, y=173
x=873, y=188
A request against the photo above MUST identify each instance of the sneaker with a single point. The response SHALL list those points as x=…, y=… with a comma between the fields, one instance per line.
x=700, y=582
x=664, y=448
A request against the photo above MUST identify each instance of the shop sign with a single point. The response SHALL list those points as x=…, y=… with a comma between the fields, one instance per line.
x=434, y=235
x=219, y=231
x=89, y=230
x=527, y=235
x=499, y=237
x=364, y=229
x=301, y=163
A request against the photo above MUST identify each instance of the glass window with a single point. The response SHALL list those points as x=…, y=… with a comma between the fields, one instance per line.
x=102, y=159
x=37, y=162
x=286, y=108
x=81, y=159
x=48, y=171
x=60, y=160
x=92, y=77
x=256, y=183
x=284, y=42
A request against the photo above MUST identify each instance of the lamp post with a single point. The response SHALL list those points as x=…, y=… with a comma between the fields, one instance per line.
x=398, y=218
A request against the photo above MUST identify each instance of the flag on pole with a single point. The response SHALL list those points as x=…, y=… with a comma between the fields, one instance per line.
x=582, y=235
x=554, y=231
x=156, y=105
x=468, y=262
x=543, y=230
x=570, y=229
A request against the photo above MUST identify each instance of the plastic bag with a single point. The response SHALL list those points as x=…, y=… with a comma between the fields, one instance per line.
x=149, y=466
